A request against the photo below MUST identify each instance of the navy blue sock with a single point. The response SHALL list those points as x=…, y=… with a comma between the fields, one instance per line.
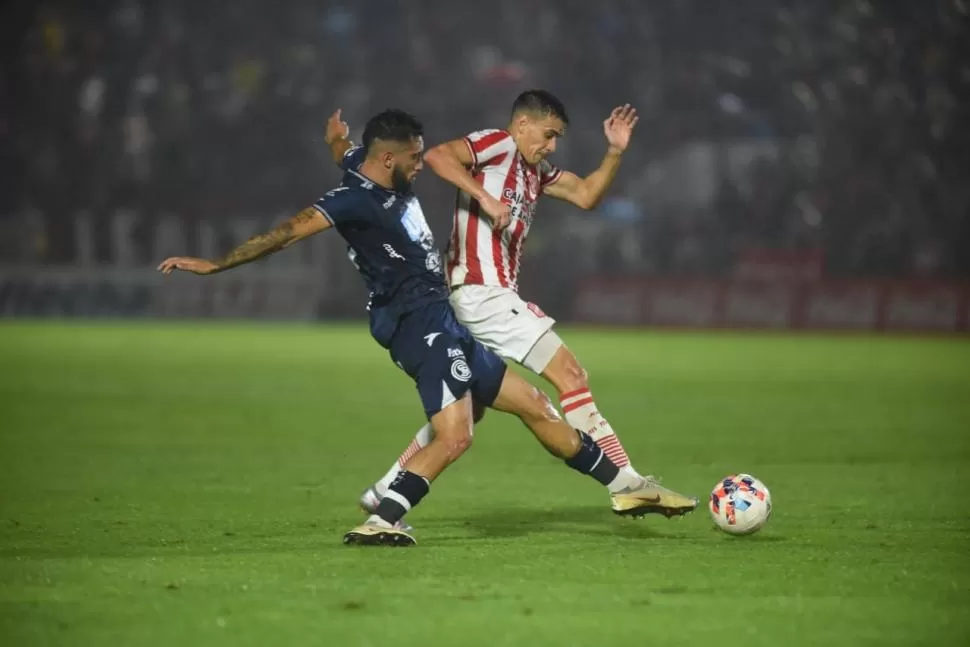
x=591, y=460
x=404, y=492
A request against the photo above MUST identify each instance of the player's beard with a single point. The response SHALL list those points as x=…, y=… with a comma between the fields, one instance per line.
x=400, y=181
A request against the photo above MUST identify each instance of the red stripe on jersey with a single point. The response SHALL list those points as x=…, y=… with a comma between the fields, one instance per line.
x=480, y=146
x=498, y=159
x=497, y=257
x=514, y=250
x=474, y=275
x=511, y=181
x=575, y=405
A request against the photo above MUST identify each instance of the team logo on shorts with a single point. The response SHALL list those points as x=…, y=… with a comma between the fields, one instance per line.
x=536, y=310
x=460, y=370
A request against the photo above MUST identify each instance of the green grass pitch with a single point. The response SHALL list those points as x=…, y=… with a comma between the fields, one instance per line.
x=189, y=485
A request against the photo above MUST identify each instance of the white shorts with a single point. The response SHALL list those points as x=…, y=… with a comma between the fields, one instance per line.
x=502, y=321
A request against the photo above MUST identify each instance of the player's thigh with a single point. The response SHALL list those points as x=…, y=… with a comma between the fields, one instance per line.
x=501, y=320
x=518, y=397
x=488, y=371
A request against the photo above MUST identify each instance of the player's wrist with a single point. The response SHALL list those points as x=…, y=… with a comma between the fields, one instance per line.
x=615, y=151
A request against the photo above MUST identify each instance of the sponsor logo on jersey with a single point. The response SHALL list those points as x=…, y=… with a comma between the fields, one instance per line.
x=392, y=252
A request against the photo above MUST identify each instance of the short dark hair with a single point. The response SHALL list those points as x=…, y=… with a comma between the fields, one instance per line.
x=392, y=126
x=540, y=102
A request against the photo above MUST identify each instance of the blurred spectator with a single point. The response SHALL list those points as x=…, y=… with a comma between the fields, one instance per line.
x=207, y=108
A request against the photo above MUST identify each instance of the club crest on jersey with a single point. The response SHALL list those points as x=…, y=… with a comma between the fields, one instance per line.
x=433, y=261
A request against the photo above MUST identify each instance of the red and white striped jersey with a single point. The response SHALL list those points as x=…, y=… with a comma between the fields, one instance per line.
x=477, y=255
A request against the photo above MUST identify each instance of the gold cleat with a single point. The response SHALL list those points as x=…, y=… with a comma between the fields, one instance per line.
x=651, y=498
x=373, y=535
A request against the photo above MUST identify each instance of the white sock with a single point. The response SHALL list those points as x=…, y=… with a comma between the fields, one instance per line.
x=625, y=480
x=374, y=520
x=581, y=413
x=421, y=440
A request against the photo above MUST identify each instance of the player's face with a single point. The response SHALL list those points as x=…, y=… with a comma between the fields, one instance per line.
x=407, y=162
x=537, y=136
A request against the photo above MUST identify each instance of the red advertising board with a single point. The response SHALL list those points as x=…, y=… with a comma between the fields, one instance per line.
x=918, y=306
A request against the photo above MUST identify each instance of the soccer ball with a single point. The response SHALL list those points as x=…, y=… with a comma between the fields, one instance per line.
x=740, y=504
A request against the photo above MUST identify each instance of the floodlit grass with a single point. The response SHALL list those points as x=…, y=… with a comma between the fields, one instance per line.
x=190, y=485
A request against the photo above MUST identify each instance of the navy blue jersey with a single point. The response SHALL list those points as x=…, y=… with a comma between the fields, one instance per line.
x=390, y=244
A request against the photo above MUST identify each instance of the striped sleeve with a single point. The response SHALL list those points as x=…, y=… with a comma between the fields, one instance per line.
x=489, y=147
x=548, y=173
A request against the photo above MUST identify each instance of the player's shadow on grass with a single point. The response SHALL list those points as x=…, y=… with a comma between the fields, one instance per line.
x=595, y=521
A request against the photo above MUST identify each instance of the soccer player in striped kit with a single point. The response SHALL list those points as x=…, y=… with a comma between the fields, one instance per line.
x=500, y=175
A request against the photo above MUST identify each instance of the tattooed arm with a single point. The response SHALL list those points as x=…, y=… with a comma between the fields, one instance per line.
x=306, y=223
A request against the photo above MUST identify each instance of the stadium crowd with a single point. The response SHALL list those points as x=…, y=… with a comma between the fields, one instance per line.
x=841, y=125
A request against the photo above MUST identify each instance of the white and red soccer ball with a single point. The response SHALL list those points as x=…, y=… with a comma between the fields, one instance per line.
x=740, y=504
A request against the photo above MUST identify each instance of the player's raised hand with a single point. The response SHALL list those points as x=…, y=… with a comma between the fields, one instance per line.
x=619, y=126
x=336, y=128
x=187, y=264
x=497, y=210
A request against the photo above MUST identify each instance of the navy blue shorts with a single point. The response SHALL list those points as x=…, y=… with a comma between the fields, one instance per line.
x=444, y=360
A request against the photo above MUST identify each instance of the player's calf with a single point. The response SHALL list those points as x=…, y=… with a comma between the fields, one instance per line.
x=372, y=495
x=453, y=435
x=578, y=406
x=575, y=447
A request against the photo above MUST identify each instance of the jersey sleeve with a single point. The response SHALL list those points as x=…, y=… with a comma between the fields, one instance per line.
x=339, y=207
x=353, y=158
x=549, y=173
x=489, y=146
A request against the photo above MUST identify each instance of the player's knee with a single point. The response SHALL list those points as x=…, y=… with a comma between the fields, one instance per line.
x=456, y=443
x=539, y=408
x=459, y=445
x=576, y=377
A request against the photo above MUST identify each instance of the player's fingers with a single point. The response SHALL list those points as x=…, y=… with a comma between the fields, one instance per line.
x=634, y=122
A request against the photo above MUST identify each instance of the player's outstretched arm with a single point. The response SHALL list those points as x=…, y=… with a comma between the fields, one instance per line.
x=337, y=136
x=450, y=161
x=587, y=192
x=306, y=223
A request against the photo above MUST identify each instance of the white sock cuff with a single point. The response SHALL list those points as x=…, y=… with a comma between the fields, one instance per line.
x=394, y=496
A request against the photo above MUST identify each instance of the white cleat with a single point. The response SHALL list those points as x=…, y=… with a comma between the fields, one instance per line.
x=369, y=501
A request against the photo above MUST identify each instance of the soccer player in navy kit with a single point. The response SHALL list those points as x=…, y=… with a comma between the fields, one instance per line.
x=392, y=247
